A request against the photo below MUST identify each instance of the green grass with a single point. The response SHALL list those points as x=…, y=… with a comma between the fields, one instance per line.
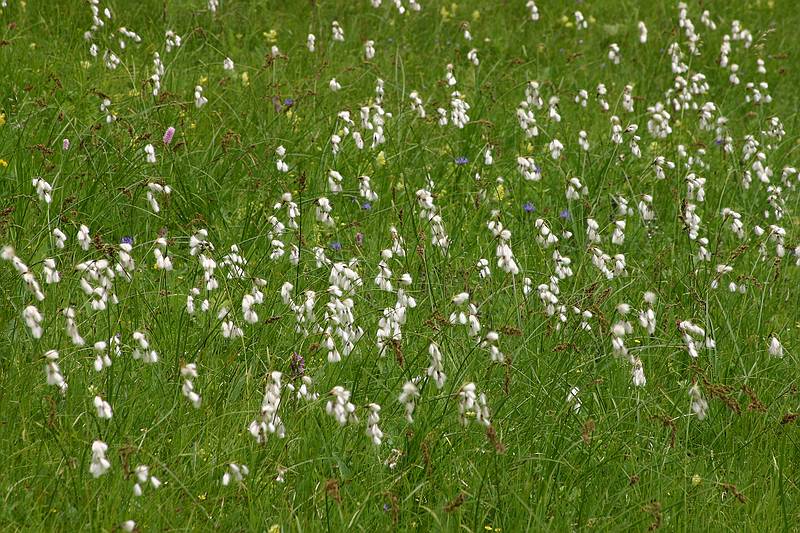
x=632, y=458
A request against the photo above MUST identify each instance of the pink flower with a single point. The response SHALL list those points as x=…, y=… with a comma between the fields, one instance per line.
x=168, y=135
x=65, y=145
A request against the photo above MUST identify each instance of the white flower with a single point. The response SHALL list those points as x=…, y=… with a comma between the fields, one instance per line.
x=340, y=407
x=373, y=431
x=103, y=408
x=99, y=464
x=199, y=99
x=775, y=347
x=43, y=189
x=235, y=473
x=699, y=404
x=408, y=397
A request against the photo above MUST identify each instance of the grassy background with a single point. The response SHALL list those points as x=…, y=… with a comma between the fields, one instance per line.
x=633, y=470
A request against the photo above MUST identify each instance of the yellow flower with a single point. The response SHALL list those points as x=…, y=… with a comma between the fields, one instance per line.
x=500, y=192
x=444, y=13
x=271, y=36
x=203, y=80
x=275, y=528
x=3, y=163
x=696, y=480
x=381, y=159
x=476, y=15
x=245, y=79
x=2, y=118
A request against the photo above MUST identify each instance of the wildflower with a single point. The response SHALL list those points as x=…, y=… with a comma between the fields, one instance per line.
x=173, y=40
x=436, y=370
x=268, y=421
x=235, y=473
x=227, y=64
x=572, y=398
x=373, y=431
x=338, y=32
x=99, y=465
x=199, y=99
x=43, y=189
x=150, y=153
x=340, y=407
x=168, y=135
x=775, y=347
x=65, y=144
x=33, y=319
x=103, y=408
x=472, y=404
x=142, y=477
x=53, y=372
x=408, y=398
x=699, y=404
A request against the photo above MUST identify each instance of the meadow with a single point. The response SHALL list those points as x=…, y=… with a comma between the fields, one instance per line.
x=399, y=265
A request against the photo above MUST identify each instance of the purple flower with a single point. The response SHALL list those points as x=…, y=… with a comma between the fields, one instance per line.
x=297, y=365
x=385, y=507
x=65, y=145
x=336, y=246
x=564, y=214
x=359, y=238
x=126, y=240
x=366, y=206
x=528, y=207
x=288, y=102
x=168, y=135
x=461, y=160
x=718, y=141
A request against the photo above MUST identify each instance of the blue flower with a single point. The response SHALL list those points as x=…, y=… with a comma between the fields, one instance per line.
x=366, y=206
x=288, y=102
x=528, y=207
x=564, y=214
x=461, y=160
x=336, y=246
x=127, y=240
